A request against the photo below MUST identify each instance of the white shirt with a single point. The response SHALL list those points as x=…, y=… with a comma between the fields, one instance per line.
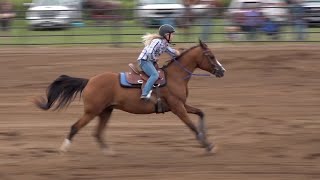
x=155, y=49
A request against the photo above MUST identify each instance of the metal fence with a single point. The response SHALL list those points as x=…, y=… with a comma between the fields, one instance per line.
x=126, y=26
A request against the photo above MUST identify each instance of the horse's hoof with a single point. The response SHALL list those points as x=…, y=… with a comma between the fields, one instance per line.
x=108, y=152
x=61, y=152
x=201, y=137
x=210, y=147
x=65, y=146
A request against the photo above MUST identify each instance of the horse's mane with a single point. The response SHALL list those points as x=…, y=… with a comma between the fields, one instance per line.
x=178, y=57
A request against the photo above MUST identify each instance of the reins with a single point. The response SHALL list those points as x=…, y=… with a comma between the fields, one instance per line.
x=188, y=71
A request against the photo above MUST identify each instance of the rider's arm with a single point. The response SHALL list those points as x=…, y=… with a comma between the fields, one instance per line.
x=172, y=52
x=151, y=50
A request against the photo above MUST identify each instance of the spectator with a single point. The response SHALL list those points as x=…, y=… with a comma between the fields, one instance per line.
x=233, y=32
x=6, y=15
x=233, y=26
x=187, y=18
x=271, y=28
x=252, y=20
x=206, y=19
x=298, y=20
x=276, y=16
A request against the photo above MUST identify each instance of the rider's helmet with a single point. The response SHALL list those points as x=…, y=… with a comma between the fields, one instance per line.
x=166, y=28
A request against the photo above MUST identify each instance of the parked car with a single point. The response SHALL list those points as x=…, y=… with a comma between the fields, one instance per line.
x=53, y=13
x=312, y=11
x=153, y=12
x=157, y=12
x=275, y=10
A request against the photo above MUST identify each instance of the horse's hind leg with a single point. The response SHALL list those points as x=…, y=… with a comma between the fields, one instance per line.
x=103, y=120
x=84, y=120
x=202, y=136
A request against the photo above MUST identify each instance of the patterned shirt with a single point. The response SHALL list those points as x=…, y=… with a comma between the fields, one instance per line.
x=155, y=49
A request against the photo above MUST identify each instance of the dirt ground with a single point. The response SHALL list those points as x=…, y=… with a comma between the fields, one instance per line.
x=263, y=116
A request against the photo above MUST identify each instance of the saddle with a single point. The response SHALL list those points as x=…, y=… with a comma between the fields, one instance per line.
x=136, y=78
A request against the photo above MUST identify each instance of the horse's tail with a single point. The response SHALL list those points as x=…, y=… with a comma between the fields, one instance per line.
x=63, y=90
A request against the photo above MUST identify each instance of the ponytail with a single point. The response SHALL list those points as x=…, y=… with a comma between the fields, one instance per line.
x=146, y=39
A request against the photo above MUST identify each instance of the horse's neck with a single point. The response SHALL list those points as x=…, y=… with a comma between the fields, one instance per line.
x=179, y=71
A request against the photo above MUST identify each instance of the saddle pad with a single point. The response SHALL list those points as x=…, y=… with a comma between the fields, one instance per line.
x=139, y=79
x=124, y=82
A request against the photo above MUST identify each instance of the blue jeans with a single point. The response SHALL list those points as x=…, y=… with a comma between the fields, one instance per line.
x=150, y=70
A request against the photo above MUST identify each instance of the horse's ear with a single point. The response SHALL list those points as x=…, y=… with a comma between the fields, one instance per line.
x=203, y=45
x=200, y=42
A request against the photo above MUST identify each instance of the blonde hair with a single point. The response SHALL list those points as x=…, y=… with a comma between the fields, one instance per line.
x=146, y=39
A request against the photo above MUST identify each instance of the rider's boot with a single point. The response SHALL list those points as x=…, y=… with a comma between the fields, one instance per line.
x=146, y=97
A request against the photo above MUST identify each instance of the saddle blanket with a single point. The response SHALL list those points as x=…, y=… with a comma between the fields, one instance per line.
x=124, y=82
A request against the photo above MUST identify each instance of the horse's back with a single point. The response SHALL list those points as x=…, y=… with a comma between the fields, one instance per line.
x=106, y=76
x=101, y=88
x=103, y=80
x=104, y=90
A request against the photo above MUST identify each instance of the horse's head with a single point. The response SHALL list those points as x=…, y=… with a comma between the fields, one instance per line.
x=208, y=62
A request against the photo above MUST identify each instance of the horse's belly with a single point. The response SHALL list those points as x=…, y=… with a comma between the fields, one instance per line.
x=136, y=107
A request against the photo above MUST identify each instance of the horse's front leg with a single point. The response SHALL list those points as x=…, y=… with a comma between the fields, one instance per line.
x=202, y=136
x=199, y=112
x=178, y=108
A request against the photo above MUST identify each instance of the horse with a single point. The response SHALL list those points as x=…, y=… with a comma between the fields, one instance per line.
x=103, y=93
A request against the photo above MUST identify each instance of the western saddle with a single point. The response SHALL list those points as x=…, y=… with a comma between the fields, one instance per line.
x=137, y=77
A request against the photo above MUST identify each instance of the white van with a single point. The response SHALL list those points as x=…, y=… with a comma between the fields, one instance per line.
x=152, y=12
x=53, y=13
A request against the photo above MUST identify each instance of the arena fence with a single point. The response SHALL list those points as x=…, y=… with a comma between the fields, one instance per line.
x=125, y=26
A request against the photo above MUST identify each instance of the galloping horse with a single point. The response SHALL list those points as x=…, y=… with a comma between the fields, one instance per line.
x=103, y=93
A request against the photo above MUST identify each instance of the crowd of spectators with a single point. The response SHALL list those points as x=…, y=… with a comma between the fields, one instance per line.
x=254, y=22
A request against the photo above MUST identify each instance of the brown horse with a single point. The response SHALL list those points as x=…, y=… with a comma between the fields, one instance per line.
x=103, y=93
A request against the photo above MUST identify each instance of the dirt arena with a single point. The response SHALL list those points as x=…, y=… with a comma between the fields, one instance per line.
x=264, y=116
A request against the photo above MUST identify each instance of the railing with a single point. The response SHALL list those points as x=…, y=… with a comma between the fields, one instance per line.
x=126, y=26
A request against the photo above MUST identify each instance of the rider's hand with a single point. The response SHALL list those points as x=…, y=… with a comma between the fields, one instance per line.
x=178, y=53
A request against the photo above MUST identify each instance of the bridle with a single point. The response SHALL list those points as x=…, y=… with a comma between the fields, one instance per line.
x=187, y=70
x=218, y=70
x=214, y=63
